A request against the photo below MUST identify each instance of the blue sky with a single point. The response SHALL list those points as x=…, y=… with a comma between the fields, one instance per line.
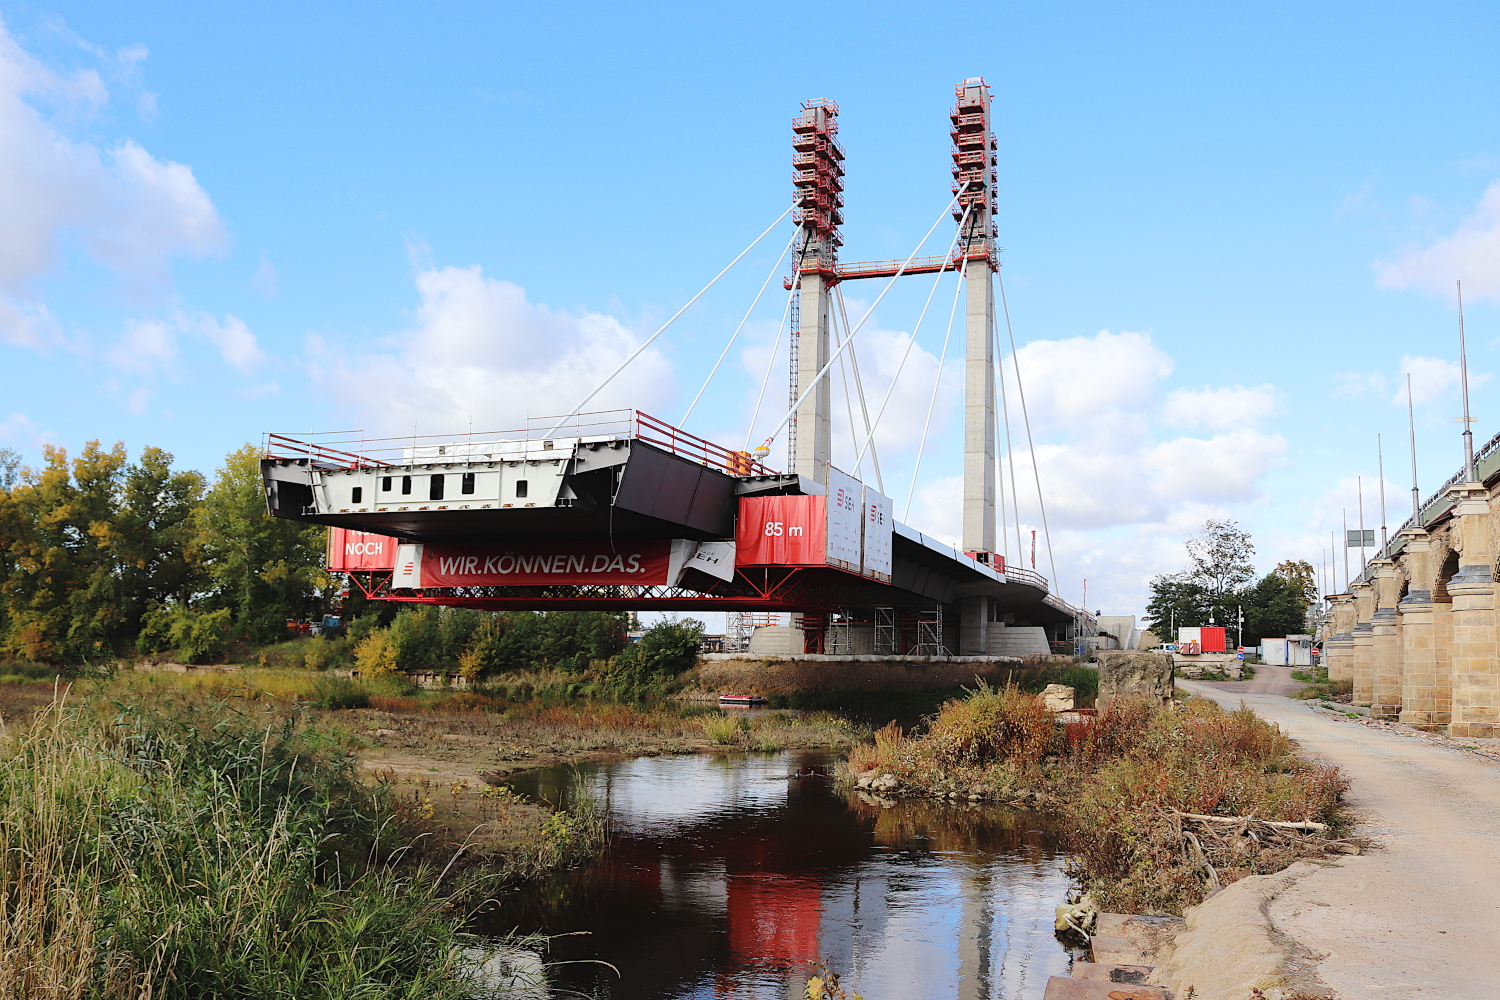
x=217, y=221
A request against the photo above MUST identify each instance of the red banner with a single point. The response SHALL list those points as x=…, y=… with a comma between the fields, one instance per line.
x=350, y=550
x=545, y=562
x=782, y=531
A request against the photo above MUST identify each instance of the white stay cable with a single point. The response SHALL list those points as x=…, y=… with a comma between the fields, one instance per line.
x=649, y=340
x=888, y=285
x=859, y=386
x=1000, y=480
x=771, y=361
x=913, y=340
x=849, y=410
x=1010, y=452
x=1030, y=444
x=958, y=286
x=775, y=269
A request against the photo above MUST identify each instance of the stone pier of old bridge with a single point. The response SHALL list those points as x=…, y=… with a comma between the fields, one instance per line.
x=1416, y=633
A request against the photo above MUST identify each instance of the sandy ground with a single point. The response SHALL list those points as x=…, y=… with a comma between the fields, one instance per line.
x=1417, y=914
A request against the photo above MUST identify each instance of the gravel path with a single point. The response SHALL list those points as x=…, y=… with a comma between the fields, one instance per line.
x=1417, y=915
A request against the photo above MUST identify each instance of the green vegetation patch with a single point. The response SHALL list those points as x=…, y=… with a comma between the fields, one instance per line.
x=175, y=848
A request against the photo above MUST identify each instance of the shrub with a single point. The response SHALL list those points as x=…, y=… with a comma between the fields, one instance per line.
x=668, y=648
x=992, y=725
x=724, y=730
x=197, y=636
x=375, y=656
x=340, y=692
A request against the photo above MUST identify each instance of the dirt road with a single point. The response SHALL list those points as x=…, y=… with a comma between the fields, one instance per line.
x=1418, y=915
x=1267, y=680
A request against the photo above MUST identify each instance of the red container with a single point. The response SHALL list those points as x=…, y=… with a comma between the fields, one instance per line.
x=1212, y=640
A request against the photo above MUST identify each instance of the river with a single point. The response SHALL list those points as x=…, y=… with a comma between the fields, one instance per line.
x=725, y=878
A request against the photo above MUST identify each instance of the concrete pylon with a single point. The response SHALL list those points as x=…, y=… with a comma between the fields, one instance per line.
x=1385, y=644
x=1476, y=682
x=979, y=410
x=1424, y=696
x=814, y=428
x=1363, y=635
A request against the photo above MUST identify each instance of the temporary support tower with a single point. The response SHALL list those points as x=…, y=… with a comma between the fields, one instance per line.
x=818, y=181
x=974, y=184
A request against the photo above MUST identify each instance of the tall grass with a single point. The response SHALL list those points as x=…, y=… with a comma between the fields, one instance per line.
x=168, y=849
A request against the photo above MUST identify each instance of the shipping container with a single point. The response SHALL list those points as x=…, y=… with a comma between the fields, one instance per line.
x=1212, y=639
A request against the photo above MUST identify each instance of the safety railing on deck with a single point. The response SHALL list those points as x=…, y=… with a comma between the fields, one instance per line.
x=1015, y=574
x=545, y=435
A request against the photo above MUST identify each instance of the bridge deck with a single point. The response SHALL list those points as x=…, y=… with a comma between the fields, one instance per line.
x=641, y=480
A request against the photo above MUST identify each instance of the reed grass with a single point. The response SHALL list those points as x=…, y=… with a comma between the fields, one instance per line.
x=166, y=848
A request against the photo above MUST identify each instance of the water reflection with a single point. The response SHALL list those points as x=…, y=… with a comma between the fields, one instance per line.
x=725, y=879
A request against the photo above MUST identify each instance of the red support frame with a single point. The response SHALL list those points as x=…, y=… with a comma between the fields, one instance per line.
x=772, y=588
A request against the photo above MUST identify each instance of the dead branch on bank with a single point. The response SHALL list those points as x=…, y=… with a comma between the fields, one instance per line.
x=1212, y=843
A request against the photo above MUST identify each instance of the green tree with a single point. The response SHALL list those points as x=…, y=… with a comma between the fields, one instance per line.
x=1176, y=601
x=1219, y=555
x=506, y=643
x=264, y=569
x=668, y=648
x=157, y=543
x=1274, y=607
x=571, y=639
x=57, y=527
x=1300, y=574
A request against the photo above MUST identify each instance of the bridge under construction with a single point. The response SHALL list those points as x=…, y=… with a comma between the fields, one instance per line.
x=618, y=510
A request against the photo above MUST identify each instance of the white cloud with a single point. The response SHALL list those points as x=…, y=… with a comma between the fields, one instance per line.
x=236, y=344
x=1432, y=380
x=477, y=349
x=264, y=282
x=129, y=210
x=1471, y=253
x=148, y=345
x=1084, y=381
x=1121, y=484
x=1219, y=408
x=1223, y=469
x=1360, y=384
x=18, y=428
